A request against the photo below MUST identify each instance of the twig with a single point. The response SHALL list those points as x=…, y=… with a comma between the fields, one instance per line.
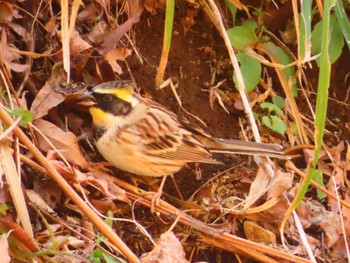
x=51, y=171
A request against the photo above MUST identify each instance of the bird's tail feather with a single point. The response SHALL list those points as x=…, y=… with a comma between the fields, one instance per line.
x=231, y=146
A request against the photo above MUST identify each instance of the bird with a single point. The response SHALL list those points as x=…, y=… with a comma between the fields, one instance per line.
x=140, y=136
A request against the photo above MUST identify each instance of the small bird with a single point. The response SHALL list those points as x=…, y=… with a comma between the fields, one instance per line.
x=142, y=137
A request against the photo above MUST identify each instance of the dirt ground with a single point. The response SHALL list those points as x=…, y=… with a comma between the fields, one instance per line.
x=198, y=60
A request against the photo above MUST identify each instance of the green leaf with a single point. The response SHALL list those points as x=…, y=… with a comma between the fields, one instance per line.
x=274, y=123
x=250, y=25
x=271, y=107
x=232, y=9
x=279, y=101
x=251, y=71
x=318, y=178
x=3, y=208
x=336, y=43
x=241, y=35
x=305, y=18
x=109, y=220
x=26, y=116
x=284, y=59
x=98, y=254
x=343, y=21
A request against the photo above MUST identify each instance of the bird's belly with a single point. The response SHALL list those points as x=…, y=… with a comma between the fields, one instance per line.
x=130, y=159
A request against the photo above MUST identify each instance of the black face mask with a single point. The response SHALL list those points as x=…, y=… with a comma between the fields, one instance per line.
x=112, y=104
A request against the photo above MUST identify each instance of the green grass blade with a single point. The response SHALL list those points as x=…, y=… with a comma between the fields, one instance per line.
x=322, y=97
x=343, y=20
x=305, y=30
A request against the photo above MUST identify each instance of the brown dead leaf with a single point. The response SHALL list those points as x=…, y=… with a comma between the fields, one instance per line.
x=4, y=251
x=346, y=215
x=340, y=249
x=134, y=11
x=207, y=198
x=328, y=221
x=304, y=214
x=120, y=53
x=76, y=43
x=45, y=100
x=49, y=192
x=258, y=187
x=279, y=184
x=278, y=210
x=8, y=57
x=151, y=5
x=38, y=201
x=48, y=98
x=6, y=12
x=88, y=12
x=50, y=26
x=65, y=142
x=168, y=250
x=103, y=206
x=258, y=234
x=336, y=181
x=105, y=184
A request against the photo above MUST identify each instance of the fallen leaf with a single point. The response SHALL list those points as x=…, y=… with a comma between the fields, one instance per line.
x=6, y=12
x=105, y=184
x=47, y=98
x=346, y=215
x=76, y=43
x=91, y=10
x=4, y=250
x=328, y=221
x=134, y=11
x=279, y=184
x=258, y=234
x=65, y=142
x=258, y=187
x=120, y=53
x=38, y=201
x=8, y=57
x=168, y=250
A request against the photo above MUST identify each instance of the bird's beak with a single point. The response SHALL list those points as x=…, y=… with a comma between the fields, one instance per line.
x=86, y=99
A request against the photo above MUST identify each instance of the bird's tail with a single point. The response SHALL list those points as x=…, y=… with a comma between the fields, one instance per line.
x=231, y=146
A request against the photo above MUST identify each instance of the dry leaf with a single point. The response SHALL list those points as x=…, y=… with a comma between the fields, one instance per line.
x=45, y=100
x=106, y=185
x=120, y=53
x=8, y=56
x=6, y=12
x=76, y=43
x=37, y=200
x=134, y=11
x=346, y=215
x=65, y=142
x=168, y=250
x=258, y=234
x=4, y=251
x=48, y=98
x=258, y=187
x=279, y=184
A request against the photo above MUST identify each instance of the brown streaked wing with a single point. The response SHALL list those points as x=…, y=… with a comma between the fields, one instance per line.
x=165, y=137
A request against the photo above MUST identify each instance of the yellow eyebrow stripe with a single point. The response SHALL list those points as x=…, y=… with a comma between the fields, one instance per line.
x=124, y=93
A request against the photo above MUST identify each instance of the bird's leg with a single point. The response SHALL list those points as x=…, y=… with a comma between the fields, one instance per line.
x=158, y=194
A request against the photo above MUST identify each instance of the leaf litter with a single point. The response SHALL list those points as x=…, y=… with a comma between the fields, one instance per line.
x=245, y=202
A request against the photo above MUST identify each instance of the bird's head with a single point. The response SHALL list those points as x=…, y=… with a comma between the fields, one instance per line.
x=112, y=102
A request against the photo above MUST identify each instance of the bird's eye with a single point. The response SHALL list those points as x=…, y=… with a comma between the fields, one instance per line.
x=107, y=97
